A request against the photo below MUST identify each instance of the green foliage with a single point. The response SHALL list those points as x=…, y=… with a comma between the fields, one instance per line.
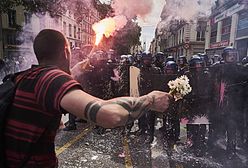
x=127, y=37
x=103, y=9
x=54, y=7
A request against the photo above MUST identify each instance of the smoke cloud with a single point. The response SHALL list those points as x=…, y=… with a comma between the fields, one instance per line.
x=187, y=10
x=131, y=10
x=126, y=10
x=25, y=57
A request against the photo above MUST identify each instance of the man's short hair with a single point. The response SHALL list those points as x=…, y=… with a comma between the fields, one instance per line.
x=48, y=44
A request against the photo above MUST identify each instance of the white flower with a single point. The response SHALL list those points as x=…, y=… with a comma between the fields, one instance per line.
x=180, y=87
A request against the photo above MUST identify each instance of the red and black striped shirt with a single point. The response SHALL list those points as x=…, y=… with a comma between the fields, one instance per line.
x=35, y=116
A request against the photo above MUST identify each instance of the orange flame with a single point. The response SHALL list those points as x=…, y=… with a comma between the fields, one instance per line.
x=104, y=27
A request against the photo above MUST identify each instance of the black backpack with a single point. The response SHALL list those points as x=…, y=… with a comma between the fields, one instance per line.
x=7, y=93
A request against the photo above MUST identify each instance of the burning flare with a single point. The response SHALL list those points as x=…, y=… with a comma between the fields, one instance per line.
x=108, y=26
x=104, y=27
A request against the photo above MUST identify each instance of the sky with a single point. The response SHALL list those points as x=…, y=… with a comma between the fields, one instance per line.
x=149, y=24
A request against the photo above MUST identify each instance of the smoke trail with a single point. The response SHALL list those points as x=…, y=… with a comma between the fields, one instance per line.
x=131, y=10
x=123, y=11
x=25, y=56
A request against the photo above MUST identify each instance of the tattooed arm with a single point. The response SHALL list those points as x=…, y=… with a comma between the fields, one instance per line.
x=115, y=112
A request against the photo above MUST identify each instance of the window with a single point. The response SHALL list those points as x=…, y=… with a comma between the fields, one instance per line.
x=70, y=30
x=201, y=28
x=200, y=36
x=243, y=21
x=226, y=25
x=12, y=18
x=213, y=35
x=243, y=25
x=75, y=32
x=79, y=33
x=183, y=36
x=12, y=39
x=27, y=18
x=64, y=28
x=226, y=29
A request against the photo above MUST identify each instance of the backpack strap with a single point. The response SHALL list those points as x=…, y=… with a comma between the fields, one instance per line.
x=33, y=145
x=15, y=81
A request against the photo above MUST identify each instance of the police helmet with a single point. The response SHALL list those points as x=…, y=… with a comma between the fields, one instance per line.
x=182, y=60
x=245, y=60
x=170, y=67
x=170, y=58
x=146, y=56
x=230, y=55
x=159, y=56
x=205, y=58
x=195, y=62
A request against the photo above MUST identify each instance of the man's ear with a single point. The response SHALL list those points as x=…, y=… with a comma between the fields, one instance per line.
x=67, y=53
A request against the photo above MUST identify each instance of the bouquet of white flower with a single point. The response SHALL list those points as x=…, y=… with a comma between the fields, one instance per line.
x=179, y=87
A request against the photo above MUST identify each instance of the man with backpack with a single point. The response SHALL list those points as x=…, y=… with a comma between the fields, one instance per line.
x=46, y=91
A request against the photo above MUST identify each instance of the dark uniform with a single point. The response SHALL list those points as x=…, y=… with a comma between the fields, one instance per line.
x=198, y=103
x=159, y=60
x=245, y=102
x=229, y=81
x=97, y=82
x=124, y=85
x=171, y=121
x=183, y=65
x=147, y=121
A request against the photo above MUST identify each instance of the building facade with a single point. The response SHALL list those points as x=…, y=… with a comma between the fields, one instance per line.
x=183, y=38
x=18, y=29
x=228, y=26
x=11, y=24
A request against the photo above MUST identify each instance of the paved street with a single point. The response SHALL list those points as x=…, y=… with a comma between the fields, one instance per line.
x=87, y=149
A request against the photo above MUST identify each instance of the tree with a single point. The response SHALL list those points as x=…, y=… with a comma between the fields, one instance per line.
x=126, y=38
x=54, y=7
x=103, y=8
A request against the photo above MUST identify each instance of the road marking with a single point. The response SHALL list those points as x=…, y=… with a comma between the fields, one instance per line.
x=72, y=141
x=128, y=160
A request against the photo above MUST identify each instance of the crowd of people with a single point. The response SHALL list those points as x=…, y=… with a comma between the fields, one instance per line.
x=219, y=93
x=46, y=91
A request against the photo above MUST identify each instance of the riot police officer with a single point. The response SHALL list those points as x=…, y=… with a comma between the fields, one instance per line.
x=159, y=59
x=170, y=58
x=123, y=68
x=229, y=79
x=183, y=65
x=198, y=103
x=147, y=121
x=245, y=100
x=171, y=121
x=205, y=59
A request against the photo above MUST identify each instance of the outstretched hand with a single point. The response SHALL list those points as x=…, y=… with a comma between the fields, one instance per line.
x=161, y=100
x=81, y=67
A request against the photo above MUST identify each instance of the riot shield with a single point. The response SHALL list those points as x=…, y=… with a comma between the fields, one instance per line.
x=134, y=81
